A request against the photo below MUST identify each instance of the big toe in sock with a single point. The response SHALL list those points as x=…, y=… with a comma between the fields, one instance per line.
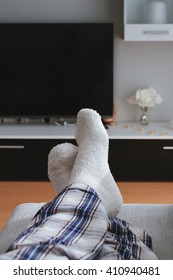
x=60, y=163
x=90, y=128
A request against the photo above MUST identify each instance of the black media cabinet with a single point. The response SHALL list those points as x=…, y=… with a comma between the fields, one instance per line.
x=135, y=154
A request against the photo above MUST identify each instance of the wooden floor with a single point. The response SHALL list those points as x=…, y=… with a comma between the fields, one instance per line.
x=14, y=193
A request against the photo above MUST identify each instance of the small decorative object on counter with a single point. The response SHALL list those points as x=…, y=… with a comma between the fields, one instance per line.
x=111, y=120
x=144, y=116
x=155, y=12
x=145, y=98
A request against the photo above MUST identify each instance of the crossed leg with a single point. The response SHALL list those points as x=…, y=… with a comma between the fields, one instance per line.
x=74, y=224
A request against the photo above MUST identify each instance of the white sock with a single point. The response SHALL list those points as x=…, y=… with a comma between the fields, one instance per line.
x=60, y=163
x=91, y=164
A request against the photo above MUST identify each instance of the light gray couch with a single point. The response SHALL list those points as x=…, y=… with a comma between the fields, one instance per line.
x=156, y=219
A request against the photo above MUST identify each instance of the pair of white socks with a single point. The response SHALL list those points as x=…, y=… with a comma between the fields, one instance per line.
x=87, y=163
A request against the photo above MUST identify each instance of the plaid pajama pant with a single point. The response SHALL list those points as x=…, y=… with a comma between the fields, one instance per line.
x=75, y=226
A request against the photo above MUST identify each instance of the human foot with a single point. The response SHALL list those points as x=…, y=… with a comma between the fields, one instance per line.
x=91, y=163
x=60, y=163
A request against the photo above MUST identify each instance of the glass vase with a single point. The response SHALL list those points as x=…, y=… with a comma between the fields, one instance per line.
x=144, y=116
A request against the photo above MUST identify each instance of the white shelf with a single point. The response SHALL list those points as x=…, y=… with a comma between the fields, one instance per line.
x=155, y=130
x=135, y=27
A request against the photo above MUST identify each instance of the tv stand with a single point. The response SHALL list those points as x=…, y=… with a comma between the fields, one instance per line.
x=135, y=153
x=24, y=149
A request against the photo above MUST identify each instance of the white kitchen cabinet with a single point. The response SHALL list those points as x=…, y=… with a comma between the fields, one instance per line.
x=136, y=27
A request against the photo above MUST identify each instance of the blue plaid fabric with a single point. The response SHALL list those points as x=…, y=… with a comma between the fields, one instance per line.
x=126, y=242
x=75, y=226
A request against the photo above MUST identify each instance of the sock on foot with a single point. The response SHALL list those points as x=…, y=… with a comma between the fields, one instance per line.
x=91, y=163
x=60, y=163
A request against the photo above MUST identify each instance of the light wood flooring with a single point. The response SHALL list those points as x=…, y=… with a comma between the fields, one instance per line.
x=14, y=193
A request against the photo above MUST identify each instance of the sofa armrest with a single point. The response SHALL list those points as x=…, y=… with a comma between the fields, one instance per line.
x=17, y=223
x=157, y=220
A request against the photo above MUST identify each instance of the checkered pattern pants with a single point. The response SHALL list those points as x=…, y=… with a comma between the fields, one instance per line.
x=75, y=226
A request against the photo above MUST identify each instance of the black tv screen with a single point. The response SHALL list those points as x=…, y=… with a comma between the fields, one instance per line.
x=55, y=69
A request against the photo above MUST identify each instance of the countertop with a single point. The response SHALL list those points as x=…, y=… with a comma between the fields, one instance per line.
x=124, y=130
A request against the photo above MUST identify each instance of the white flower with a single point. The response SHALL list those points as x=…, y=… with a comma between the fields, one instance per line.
x=145, y=98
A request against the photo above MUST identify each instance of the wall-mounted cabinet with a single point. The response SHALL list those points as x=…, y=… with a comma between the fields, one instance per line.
x=138, y=24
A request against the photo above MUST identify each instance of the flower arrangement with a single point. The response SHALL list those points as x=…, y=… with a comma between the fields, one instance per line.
x=145, y=98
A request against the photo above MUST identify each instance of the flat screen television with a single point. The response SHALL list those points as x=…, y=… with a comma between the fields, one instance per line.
x=52, y=70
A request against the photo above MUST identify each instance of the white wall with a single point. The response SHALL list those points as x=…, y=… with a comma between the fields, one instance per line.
x=136, y=64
